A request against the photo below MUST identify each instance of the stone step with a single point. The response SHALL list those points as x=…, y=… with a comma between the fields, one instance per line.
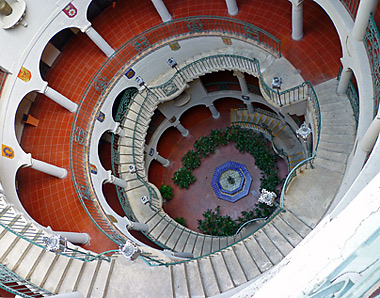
x=268, y=247
x=330, y=165
x=295, y=223
x=207, y=272
x=334, y=147
x=222, y=274
x=234, y=266
x=338, y=157
x=278, y=239
x=286, y=231
x=258, y=255
x=197, y=288
x=246, y=261
x=180, y=282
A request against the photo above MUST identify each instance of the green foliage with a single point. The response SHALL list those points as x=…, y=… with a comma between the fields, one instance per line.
x=183, y=178
x=216, y=224
x=181, y=221
x=166, y=191
x=191, y=160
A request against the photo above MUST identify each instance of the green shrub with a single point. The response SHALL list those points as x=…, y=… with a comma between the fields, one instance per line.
x=181, y=221
x=191, y=160
x=166, y=191
x=217, y=225
x=183, y=178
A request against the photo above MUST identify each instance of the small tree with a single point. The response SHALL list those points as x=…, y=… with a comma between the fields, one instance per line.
x=166, y=191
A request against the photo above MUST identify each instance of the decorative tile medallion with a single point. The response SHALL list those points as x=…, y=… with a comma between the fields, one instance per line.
x=227, y=41
x=24, y=74
x=70, y=10
x=8, y=152
x=130, y=73
x=101, y=116
x=174, y=46
x=93, y=169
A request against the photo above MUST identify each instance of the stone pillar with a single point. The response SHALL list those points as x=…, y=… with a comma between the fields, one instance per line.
x=118, y=130
x=100, y=42
x=242, y=82
x=297, y=20
x=165, y=162
x=215, y=113
x=114, y=180
x=60, y=99
x=138, y=226
x=362, y=18
x=76, y=238
x=345, y=78
x=249, y=107
x=184, y=132
x=232, y=7
x=369, y=138
x=48, y=168
x=162, y=10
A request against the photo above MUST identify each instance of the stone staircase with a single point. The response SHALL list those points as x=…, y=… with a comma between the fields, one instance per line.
x=224, y=270
x=280, y=131
x=48, y=271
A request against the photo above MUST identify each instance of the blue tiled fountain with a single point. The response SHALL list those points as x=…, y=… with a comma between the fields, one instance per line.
x=231, y=181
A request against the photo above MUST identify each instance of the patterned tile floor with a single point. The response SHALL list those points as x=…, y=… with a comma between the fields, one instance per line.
x=54, y=202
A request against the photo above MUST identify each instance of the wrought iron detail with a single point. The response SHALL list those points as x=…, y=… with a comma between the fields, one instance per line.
x=372, y=44
x=129, y=94
x=84, y=192
x=79, y=135
x=251, y=33
x=169, y=88
x=195, y=25
x=141, y=44
x=100, y=83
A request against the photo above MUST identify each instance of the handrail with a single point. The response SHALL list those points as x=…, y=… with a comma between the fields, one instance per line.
x=17, y=285
x=28, y=231
x=351, y=6
x=113, y=70
x=3, y=76
x=174, y=86
x=372, y=45
x=353, y=97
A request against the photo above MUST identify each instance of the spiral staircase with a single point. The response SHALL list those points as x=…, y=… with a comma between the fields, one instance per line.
x=193, y=264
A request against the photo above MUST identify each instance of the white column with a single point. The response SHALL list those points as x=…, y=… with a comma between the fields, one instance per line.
x=48, y=168
x=362, y=18
x=118, y=130
x=249, y=107
x=114, y=180
x=162, y=10
x=184, y=132
x=345, y=78
x=242, y=82
x=138, y=226
x=297, y=20
x=60, y=99
x=369, y=138
x=100, y=42
x=76, y=238
x=232, y=7
x=215, y=113
x=165, y=162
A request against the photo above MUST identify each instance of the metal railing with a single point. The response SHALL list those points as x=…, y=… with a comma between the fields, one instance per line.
x=17, y=285
x=372, y=44
x=113, y=70
x=351, y=6
x=16, y=223
x=3, y=76
x=353, y=97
